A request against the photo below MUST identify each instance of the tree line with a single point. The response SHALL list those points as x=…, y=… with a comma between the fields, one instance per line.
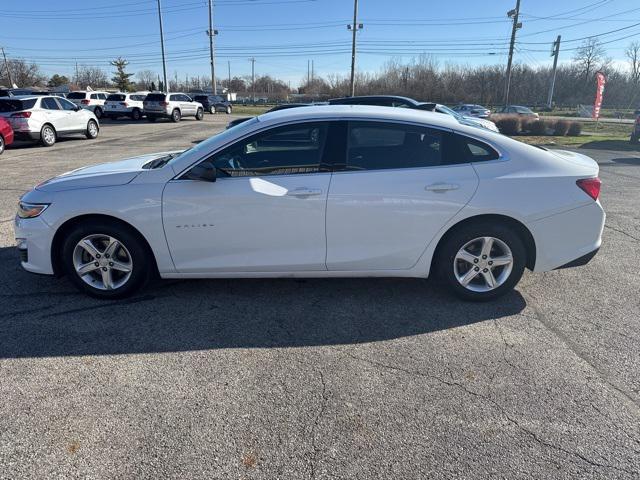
x=423, y=78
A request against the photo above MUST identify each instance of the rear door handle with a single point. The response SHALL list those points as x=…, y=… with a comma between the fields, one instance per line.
x=441, y=187
x=304, y=192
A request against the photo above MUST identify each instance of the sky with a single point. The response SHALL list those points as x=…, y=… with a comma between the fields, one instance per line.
x=284, y=35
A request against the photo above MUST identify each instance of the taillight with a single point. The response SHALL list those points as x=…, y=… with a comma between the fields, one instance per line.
x=124, y=104
x=21, y=115
x=85, y=102
x=164, y=104
x=590, y=186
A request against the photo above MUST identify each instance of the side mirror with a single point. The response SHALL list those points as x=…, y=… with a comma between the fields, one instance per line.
x=204, y=171
x=77, y=108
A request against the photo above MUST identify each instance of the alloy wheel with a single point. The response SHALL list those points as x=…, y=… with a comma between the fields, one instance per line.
x=48, y=135
x=102, y=262
x=483, y=264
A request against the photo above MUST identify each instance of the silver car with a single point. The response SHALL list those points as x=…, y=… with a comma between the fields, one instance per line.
x=171, y=105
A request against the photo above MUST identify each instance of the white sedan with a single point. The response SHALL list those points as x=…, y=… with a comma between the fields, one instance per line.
x=327, y=191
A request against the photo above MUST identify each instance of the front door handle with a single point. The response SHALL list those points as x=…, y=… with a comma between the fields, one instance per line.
x=304, y=192
x=441, y=187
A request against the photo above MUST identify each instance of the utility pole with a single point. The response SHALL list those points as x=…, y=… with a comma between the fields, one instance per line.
x=211, y=32
x=164, y=63
x=354, y=29
x=229, y=67
x=308, y=72
x=6, y=65
x=313, y=72
x=515, y=13
x=554, y=53
x=77, y=76
x=253, y=79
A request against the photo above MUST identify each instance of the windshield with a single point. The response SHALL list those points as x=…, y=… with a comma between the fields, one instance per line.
x=448, y=111
x=205, y=146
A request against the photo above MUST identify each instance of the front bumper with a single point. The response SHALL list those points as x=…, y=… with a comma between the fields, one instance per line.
x=34, y=237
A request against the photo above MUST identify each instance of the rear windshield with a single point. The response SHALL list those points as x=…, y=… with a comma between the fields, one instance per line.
x=7, y=105
x=200, y=97
x=76, y=95
x=155, y=97
x=115, y=97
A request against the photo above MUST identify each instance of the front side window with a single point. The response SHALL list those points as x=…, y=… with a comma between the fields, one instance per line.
x=175, y=98
x=292, y=149
x=66, y=104
x=378, y=146
x=49, y=104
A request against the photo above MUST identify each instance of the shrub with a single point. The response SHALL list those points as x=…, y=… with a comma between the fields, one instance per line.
x=561, y=128
x=537, y=127
x=508, y=124
x=575, y=128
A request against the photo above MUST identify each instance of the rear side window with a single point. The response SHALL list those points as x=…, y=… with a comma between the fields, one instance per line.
x=379, y=146
x=115, y=97
x=77, y=95
x=175, y=98
x=462, y=149
x=138, y=98
x=94, y=96
x=155, y=97
x=10, y=105
x=49, y=104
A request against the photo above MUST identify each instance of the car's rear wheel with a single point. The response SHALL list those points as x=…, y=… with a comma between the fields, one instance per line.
x=48, y=136
x=1, y=144
x=136, y=114
x=105, y=260
x=229, y=110
x=199, y=114
x=92, y=130
x=98, y=113
x=481, y=261
x=212, y=109
x=175, y=116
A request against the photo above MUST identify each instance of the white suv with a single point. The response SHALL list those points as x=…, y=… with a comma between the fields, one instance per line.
x=45, y=118
x=171, y=105
x=125, y=105
x=90, y=100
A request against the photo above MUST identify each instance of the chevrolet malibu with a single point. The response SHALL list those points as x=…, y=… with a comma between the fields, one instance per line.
x=327, y=191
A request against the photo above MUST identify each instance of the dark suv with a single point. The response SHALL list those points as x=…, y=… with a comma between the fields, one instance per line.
x=213, y=103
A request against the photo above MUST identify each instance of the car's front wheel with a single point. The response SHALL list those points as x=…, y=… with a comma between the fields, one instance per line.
x=229, y=110
x=1, y=144
x=212, y=109
x=105, y=260
x=175, y=116
x=92, y=130
x=481, y=261
x=199, y=114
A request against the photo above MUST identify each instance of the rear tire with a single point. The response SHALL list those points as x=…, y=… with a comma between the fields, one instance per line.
x=229, y=110
x=199, y=114
x=109, y=279
x=98, y=112
x=468, y=256
x=136, y=114
x=212, y=109
x=48, y=136
x=176, y=116
x=92, y=130
x=1, y=144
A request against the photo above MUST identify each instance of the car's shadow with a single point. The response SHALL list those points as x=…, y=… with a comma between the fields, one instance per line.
x=43, y=316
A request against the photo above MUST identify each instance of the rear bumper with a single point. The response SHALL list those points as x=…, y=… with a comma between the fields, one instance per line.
x=568, y=238
x=26, y=136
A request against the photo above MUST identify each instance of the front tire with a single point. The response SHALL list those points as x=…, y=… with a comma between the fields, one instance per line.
x=136, y=114
x=176, y=116
x=481, y=261
x=212, y=109
x=105, y=260
x=48, y=136
x=92, y=130
x=199, y=114
x=1, y=144
x=229, y=110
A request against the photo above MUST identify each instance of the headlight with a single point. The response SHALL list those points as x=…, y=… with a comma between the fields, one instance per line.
x=31, y=210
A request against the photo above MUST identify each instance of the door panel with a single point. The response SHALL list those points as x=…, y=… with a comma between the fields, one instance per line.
x=249, y=224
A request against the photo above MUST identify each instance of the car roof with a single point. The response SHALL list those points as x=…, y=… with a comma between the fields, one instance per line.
x=362, y=112
x=25, y=97
x=377, y=97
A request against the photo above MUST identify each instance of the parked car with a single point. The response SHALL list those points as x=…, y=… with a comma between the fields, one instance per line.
x=405, y=102
x=330, y=191
x=213, y=103
x=635, y=134
x=47, y=118
x=517, y=110
x=171, y=105
x=472, y=110
x=6, y=134
x=125, y=105
x=89, y=100
x=282, y=106
x=16, y=92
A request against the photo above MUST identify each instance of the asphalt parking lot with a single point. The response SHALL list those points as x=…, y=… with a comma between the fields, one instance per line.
x=342, y=378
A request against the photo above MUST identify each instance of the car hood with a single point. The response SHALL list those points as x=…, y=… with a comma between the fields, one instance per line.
x=101, y=175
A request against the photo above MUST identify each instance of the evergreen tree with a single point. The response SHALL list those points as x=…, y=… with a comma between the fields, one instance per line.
x=121, y=78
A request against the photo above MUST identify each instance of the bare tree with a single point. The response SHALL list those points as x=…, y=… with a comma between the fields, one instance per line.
x=589, y=56
x=91, y=77
x=633, y=54
x=23, y=74
x=145, y=78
